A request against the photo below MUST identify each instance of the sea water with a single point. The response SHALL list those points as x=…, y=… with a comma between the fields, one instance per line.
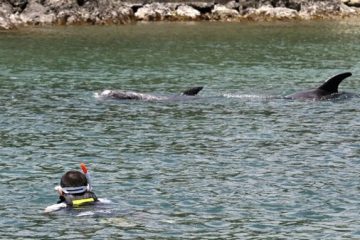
x=237, y=162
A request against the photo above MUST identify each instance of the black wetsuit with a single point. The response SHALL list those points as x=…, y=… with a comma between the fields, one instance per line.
x=78, y=199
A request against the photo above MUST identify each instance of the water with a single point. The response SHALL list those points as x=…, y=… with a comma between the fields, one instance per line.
x=232, y=164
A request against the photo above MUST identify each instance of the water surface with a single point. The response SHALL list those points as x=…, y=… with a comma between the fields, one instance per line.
x=234, y=163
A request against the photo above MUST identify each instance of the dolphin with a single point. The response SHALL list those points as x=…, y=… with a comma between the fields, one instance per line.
x=328, y=90
x=130, y=95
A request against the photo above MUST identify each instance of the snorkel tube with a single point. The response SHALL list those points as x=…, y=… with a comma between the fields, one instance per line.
x=87, y=174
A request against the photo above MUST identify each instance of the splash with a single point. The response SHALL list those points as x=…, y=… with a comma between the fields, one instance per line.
x=249, y=96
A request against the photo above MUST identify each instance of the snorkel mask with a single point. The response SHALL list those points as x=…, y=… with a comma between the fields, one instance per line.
x=80, y=189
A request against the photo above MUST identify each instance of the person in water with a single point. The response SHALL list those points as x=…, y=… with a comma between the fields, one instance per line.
x=75, y=189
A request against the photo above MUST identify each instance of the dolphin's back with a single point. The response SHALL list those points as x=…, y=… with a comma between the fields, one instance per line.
x=328, y=89
x=192, y=91
x=332, y=84
x=129, y=95
x=126, y=95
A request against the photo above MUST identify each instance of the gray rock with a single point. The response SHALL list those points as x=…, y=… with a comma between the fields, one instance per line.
x=352, y=3
x=221, y=12
x=203, y=7
x=18, y=5
x=270, y=13
x=319, y=9
x=154, y=12
x=91, y=12
x=112, y=12
x=346, y=10
x=35, y=14
x=60, y=5
x=64, y=17
x=233, y=5
x=5, y=24
x=6, y=11
x=186, y=12
x=29, y=12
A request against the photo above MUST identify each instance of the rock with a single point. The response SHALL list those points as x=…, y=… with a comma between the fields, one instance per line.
x=269, y=13
x=18, y=5
x=346, y=10
x=292, y=4
x=319, y=9
x=35, y=14
x=186, y=12
x=6, y=11
x=125, y=14
x=202, y=7
x=112, y=12
x=154, y=12
x=19, y=12
x=64, y=10
x=84, y=15
x=221, y=12
x=65, y=16
x=5, y=24
x=172, y=6
x=245, y=4
x=60, y=5
x=233, y=5
x=351, y=3
x=90, y=12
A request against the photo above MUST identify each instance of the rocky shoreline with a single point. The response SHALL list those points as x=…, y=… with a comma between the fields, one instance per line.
x=19, y=13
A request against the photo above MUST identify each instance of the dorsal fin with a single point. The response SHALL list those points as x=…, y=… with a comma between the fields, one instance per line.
x=192, y=91
x=331, y=85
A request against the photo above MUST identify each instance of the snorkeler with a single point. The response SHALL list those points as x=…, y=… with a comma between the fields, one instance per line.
x=75, y=189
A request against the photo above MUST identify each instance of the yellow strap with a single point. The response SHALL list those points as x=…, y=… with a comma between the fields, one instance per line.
x=81, y=201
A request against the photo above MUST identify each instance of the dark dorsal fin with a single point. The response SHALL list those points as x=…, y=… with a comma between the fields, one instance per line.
x=332, y=84
x=192, y=91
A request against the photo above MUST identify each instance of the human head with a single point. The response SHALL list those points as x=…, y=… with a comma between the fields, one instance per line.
x=74, y=182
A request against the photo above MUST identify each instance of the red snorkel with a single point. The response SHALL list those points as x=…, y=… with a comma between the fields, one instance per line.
x=87, y=174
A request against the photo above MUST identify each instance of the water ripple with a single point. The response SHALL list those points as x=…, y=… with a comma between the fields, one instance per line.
x=236, y=163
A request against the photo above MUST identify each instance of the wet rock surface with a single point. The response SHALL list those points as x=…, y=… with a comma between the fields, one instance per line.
x=15, y=13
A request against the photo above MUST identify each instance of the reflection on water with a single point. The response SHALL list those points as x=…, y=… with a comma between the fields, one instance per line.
x=238, y=162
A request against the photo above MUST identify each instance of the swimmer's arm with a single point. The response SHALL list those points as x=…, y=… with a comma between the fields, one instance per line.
x=55, y=207
x=104, y=200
